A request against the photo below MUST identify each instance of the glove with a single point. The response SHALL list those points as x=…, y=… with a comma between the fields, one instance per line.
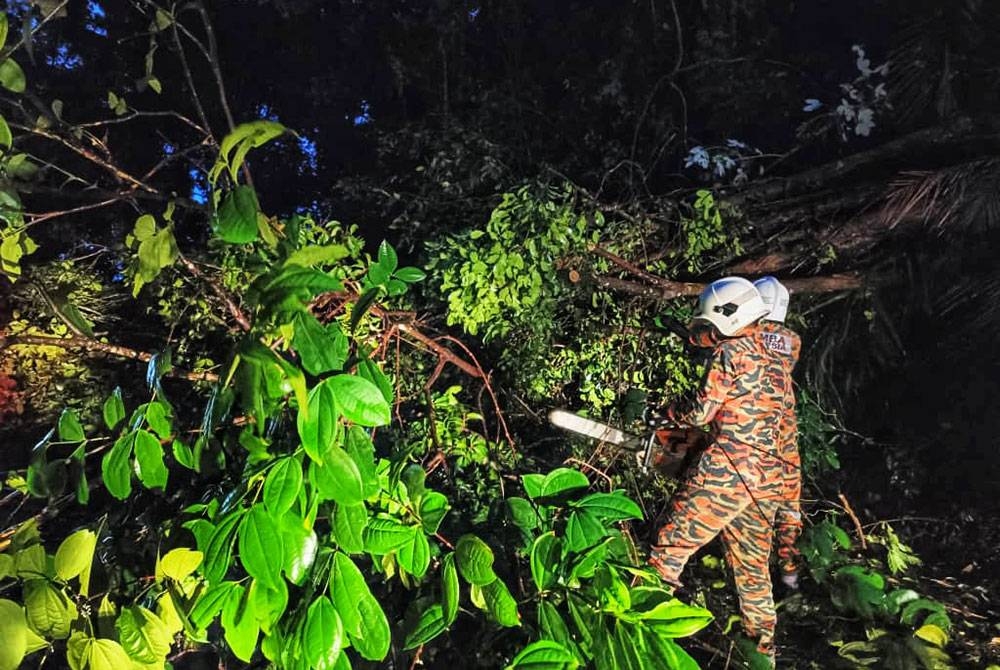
x=791, y=580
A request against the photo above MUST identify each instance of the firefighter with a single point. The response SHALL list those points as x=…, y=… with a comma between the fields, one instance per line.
x=735, y=488
x=784, y=343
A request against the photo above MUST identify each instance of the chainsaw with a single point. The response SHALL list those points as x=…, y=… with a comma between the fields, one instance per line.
x=664, y=450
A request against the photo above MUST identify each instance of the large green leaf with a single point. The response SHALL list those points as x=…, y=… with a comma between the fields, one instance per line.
x=320, y=349
x=300, y=547
x=149, y=460
x=180, y=562
x=475, y=560
x=609, y=506
x=316, y=255
x=583, y=530
x=282, y=486
x=210, y=603
x=501, y=604
x=75, y=554
x=236, y=220
x=114, y=409
x=674, y=619
x=385, y=535
x=49, y=611
x=322, y=634
x=545, y=556
x=12, y=76
x=239, y=624
x=338, y=477
x=562, y=482
x=268, y=602
x=449, y=589
x=297, y=279
x=70, y=429
x=544, y=655
x=4, y=27
x=219, y=552
x=522, y=513
x=428, y=626
x=318, y=427
x=348, y=526
x=261, y=550
x=415, y=555
x=362, y=451
x=116, y=467
x=359, y=400
x=666, y=653
x=433, y=507
x=158, y=418
x=100, y=654
x=143, y=635
x=370, y=370
x=552, y=626
x=13, y=633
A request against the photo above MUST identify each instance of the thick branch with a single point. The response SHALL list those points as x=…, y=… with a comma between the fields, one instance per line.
x=91, y=346
x=667, y=290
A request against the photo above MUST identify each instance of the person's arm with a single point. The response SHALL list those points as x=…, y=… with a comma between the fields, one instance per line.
x=701, y=407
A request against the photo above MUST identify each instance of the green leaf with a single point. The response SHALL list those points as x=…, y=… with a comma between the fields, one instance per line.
x=545, y=554
x=359, y=400
x=114, y=409
x=387, y=257
x=348, y=527
x=562, y=482
x=315, y=255
x=410, y=274
x=300, y=547
x=143, y=635
x=239, y=625
x=385, y=535
x=158, y=418
x=4, y=26
x=115, y=467
x=522, y=513
x=544, y=655
x=268, y=603
x=149, y=460
x=359, y=309
x=31, y=562
x=429, y=625
x=362, y=451
x=317, y=427
x=219, y=552
x=180, y=562
x=338, y=478
x=295, y=277
x=145, y=227
x=475, y=560
x=933, y=635
x=415, y=555
x=433, y=507
x=370, y=370
x=449, y=589
x=282, y=486
x=533, y=484
x=104, y=655
x=236, y=221
x=501, y=604
x=552, y=626
x=49, y=611
x=75, y=554
x=211, y=603
x=12, y=76
x=583, y=530
x=319, y=349
x=364, y=620
x=6, y=138
x=13, y=630
x=674, y=619
x=7, y=568
x=261, y=550
x=322, y=634
x=70, y=429
x=609, y=506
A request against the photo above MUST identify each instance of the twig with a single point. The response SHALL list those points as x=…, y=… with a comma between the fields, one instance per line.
x=39, y=218
x=95, y=346
x=854, y=518
x=220, y=292
x=593, y=469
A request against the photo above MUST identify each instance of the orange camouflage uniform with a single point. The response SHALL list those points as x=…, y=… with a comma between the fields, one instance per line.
x=736, y=488
x=785, y=344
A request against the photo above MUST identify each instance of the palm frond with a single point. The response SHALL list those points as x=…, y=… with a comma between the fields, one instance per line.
x=964, y=198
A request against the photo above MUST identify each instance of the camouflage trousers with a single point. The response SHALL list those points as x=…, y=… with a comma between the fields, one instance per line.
x=735, y=492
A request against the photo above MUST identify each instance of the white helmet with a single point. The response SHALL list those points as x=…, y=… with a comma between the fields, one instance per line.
x=730, y=304
x=775, y=297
